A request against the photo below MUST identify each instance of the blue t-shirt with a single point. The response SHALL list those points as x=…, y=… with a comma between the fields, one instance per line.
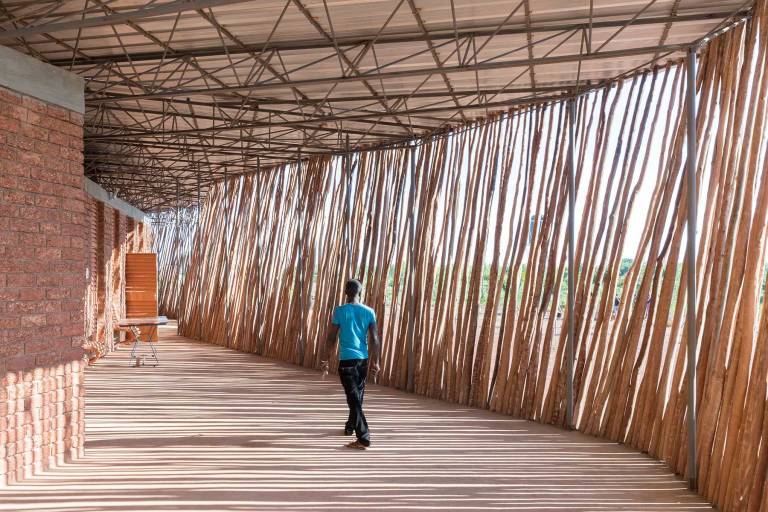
x=353, y=320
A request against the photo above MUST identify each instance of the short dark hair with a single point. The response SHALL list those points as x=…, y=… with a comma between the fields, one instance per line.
x=352, y=288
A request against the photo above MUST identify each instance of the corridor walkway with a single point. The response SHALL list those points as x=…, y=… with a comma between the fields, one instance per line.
x=216, y=430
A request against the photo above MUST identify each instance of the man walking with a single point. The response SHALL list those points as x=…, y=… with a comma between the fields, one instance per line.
x=354, y=324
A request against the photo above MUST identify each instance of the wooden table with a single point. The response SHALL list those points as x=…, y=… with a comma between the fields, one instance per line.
x=133, y=324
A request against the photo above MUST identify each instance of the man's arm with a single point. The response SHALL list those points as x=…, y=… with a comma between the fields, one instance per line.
x=374, y=347
x=330, y=342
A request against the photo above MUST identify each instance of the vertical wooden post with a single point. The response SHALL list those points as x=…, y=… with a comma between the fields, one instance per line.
x=412, y=269
x=348, y=209
x=176, y=243
x=258, y=290
x=226, y=255
x=569, y=353
x=300, y=245
x=690, y=105
x=199, y=248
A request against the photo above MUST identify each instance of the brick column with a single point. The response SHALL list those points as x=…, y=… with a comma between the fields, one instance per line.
x=43, y=235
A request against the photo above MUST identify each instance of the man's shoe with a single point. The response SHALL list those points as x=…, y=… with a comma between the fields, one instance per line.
x=357, y=445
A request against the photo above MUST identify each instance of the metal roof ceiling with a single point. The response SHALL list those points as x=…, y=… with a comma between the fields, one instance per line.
x=181, y=89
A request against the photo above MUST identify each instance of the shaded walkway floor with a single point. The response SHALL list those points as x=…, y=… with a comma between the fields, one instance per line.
x=217, y=430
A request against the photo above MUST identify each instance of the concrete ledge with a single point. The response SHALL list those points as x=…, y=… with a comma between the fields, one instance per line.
x=97, y=192
x=31, y=77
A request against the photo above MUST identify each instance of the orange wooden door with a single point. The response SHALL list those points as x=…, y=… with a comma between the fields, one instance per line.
x=141, y=287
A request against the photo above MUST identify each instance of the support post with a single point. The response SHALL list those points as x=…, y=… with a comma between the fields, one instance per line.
x=199, y=248
x=226, y=256
x=569, y=353
x=176, y=242
x=412, y=270
x=691, y=199
x=300, y=235
x=348, y=208
x=259, y=290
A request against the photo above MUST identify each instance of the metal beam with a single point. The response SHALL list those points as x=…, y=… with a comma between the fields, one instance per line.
x=118, y=133
x=434, y=35
x=115, y=19
x=326, y=119
x=212, y=150
x=263, y=123
x=482, y=66
x=253, y=104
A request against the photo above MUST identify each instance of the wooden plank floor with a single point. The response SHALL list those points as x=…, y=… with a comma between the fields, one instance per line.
x=217, y=430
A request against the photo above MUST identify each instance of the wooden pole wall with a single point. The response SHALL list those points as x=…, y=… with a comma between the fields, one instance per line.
x=174, y=236
x=461, y=242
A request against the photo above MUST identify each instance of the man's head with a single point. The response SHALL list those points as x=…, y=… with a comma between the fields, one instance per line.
x=352, y=289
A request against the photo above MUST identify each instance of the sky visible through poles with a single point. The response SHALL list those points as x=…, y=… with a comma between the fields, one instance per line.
x=519, y=161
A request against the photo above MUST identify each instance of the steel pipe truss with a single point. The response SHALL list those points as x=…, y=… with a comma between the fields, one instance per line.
x=181, y=90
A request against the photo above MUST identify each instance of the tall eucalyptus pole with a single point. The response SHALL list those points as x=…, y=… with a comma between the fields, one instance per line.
x=348, y=208
x=227, y=220
x=572, y=271
x=690, y=107
x=412, y=270
x=300, y=259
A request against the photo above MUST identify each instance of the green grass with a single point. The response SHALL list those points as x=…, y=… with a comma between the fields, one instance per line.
x=624, y=268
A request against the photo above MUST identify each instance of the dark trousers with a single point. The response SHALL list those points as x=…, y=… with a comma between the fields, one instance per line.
x=352, y=373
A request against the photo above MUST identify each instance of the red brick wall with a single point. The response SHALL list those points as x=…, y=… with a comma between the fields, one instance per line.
x=90, y=265
x=43, y=236
x=118, y=263
x=105, y=302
